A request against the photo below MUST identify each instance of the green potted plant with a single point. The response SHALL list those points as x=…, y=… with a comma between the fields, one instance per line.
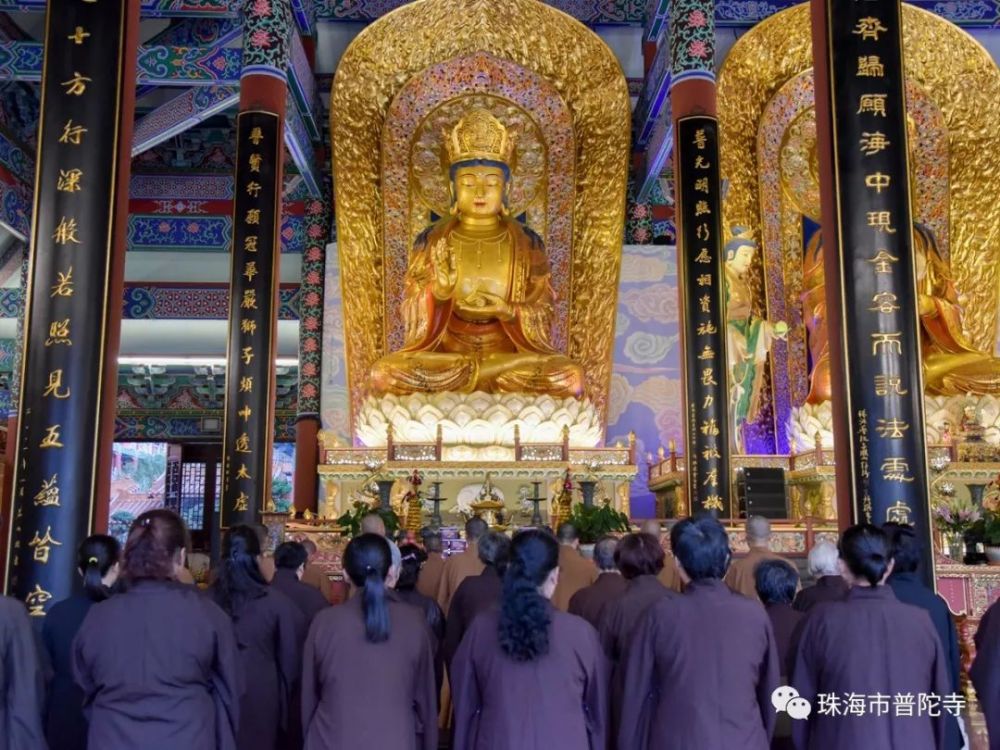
x=594, y=521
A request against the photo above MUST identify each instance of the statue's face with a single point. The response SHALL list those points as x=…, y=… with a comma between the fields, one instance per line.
x=742, y=259
x=479, y=191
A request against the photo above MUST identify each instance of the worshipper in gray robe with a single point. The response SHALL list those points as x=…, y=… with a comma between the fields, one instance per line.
x=589, y=602
x=829, y=584
x=22, y=688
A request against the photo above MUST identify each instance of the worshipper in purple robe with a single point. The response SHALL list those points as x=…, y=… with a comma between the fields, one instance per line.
x=701, y=666
x=22, y=688
x=777, y=582
x=528, y=675
x=479, y=593
x=268, y=628
x=589, y=602
x=868, y=644
x=459, y=567
x=98, y=560
x=829, y=585
x=985, y=672
x=908, y=587
x=411, y=558
x=290, y=560
x=157, y=663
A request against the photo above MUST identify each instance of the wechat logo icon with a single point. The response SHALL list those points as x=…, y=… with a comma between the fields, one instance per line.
x=787, y=699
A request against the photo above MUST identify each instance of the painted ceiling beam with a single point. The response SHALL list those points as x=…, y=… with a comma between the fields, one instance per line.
x=191, y=32
x=182, y=112
x=304, y=12
x=302, y=86
x=654, y=101
x=658, y=153
x=150, y=8
x=594, y=12
x=16, y=175
x=300, y=148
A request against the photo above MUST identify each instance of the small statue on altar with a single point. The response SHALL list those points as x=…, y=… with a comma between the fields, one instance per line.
x=562, y=503
x=971, y=428
x=478, y=303
x=412, y=505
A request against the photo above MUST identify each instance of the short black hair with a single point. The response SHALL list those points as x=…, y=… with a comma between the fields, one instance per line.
x=494, y=550
x=866, y=552
x=475, y=527
x=432, y=541
x=604, y=552
x=701, y=546
x=411, y=557
x=776, y=582
x=638, y=555
x=906, y=548
x=567, y=533
x=290, y=555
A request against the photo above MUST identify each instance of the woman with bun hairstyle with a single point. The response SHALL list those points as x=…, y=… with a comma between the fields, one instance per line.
x=526, y=674
x=266, y=623
x=368, y=669
x=157, y=663
x=869, y=644
x=98, y=560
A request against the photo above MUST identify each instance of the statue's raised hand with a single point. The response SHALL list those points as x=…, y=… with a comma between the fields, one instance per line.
x=445, y=269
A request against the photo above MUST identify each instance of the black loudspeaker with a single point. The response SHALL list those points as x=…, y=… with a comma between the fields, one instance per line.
x=761, y=492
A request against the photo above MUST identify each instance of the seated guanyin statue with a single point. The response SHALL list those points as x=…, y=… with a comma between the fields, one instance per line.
x=478, y=304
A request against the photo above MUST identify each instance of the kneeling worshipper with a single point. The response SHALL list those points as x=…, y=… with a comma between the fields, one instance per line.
x=157, y=663
x=701, y=666
x=868, y=644
x=985, y=672
x=528, y=675
x=368, y=669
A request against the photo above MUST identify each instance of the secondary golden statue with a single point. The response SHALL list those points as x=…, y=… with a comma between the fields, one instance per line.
x=477, y=307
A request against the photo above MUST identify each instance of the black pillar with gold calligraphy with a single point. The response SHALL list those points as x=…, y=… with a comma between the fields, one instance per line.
x=72, y=273
x=248, y=434
x=870, y=266
x=703, y=312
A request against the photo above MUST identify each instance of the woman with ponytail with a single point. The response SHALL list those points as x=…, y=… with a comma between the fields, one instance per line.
x=266, y=623
x=157, y=663
x=528, y=675
x=368, y=670
x=869, y=643
x=98, y=560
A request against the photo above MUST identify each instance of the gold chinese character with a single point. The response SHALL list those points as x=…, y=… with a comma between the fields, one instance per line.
x=256, y=136
x=710, y=452
x=243, y=473
x=703, y=256
x=249, y=300
x=896, y=469
x=247, y=355
x=870, y=66
x=78, y=35
x=705, y=303
x=245, y=413
x=877, y=182
x=887, y=342
x=76, y=85
x=713, y=502
x=704, y=279
x=869, y=28
x=891, y=429
x=253, y=216
x=255, y=162
x=706, y=329
x=54, y=386
x=889, y=385
x=873, y=143
x=882, y=261
x=708, y=376
x=69, y=180
x=709, y=428
x=253, y=189
x=898, y=513
x=59, y=333
x=36, y=601
x=250, y=244
x=873, y=103
x=66, y=232
x=248, y=326
x=701, y=208
x=43, y=546
x=250, y=270
x=700, y=163
x=707, y=402
x=64, y=287
x=51, y=439
x=243, y=443
x=707, y=353
x=700, y=139
x=712, y=480
x=881, y=221
x=48, y=496
x=242, y=503
x=702, y=232
x=72, y=134
x=884, y=302
x=246, y=384
x=701, y=185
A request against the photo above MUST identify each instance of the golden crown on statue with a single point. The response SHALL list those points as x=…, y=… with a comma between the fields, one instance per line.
x=480, y=135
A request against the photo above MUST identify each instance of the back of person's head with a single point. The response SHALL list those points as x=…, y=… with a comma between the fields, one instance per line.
x=567, y=533
x=412, y=557
x=776, y=582
x=604, y=552
x=290, y=556
x=865, y=551
x=475, y=527
x=367, y=560
x=154, y=546
x=524, y=611
x=310, y=547
x=758, y=530
x=239, y=579
x=372, y=523
x=494, y=550
x=650, y=526
x=638, y=555
x=432, y=541
x=96, y=558
x=905, y=548
x=823, y=560
x=263, y=535
x=701, y=546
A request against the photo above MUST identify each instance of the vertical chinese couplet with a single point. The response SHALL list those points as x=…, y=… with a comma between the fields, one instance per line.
x=875, y=260
x=67, y=300
x=253, y=287
x=703, y=301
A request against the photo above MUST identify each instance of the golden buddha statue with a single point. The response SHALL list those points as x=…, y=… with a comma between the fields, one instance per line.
x=478, y=304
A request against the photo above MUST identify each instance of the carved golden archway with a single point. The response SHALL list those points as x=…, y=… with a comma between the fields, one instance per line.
x=540, y=39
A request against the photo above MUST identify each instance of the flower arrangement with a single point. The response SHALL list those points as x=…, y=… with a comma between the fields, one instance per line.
x=954, y=515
